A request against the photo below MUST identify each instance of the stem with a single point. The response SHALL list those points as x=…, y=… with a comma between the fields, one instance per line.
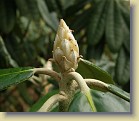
x=49, y=72
x=79, y=79
x=99, y=85
x=51, y=102
x=83, y=86
x=96, y=84
x=68, y=89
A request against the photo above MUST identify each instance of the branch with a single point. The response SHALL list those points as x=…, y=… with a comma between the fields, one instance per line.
x=51, y=102
x=96, y=84
x=49, y=72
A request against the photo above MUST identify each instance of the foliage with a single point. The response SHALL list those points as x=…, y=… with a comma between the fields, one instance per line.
x=108, y=103
x=13, y=76
x=27, y=31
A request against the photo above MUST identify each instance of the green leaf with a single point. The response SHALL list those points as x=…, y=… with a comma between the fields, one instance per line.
x=7, y=16
x=96, y=51
x=49, y=18
x=119, y=92
x=126, y=32
x=122, y=70
x=28, y=8
x=97, y=23
x=80, y=104
x=125, y=10
x=42, y=100
x=90, y=70
x=107, y=102
x=127, y=44
x=14, y=76
x=114, y=25
x=104, y=102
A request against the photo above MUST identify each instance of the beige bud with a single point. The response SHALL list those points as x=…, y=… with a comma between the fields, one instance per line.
x=66, y=50
x=58, y=54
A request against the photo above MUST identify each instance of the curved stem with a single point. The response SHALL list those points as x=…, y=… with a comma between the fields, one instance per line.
x=49, y=72
x=83, y=86
x=51, y=102
x=96, y=84
x=79, y=79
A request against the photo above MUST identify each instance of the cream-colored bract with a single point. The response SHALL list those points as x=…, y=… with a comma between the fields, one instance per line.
x=66, y=50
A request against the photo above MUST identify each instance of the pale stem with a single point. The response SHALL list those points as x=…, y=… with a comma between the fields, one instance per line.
x=51, y=102
x=79, y=79
x=49, y=72
x=83, y=87
x=96, y=84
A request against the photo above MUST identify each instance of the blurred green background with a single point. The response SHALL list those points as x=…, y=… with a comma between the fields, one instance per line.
x=27, y=33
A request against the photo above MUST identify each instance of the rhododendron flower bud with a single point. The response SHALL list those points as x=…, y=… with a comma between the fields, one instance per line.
x=66, y=50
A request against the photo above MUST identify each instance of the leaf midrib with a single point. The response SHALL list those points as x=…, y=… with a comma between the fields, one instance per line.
x=15, y=72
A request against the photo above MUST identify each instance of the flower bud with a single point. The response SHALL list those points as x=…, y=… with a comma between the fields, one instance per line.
x=66, y=50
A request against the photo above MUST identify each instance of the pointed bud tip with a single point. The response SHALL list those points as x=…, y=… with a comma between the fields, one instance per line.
x=61, y=20
x=63, y=24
